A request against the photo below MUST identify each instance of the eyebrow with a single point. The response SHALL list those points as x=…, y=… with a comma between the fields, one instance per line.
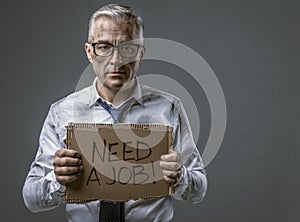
x=104, y=42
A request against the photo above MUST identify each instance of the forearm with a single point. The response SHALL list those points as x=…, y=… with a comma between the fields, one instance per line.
x=42, y=193
x=192, y=184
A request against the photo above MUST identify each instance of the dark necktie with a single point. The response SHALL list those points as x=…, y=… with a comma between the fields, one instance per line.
x=112, y=211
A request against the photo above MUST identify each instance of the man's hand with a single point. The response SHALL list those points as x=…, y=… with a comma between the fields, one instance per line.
x=171, y=165
x=67, y=165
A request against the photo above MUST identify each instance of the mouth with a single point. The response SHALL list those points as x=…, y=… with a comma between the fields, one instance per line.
x=116, y=73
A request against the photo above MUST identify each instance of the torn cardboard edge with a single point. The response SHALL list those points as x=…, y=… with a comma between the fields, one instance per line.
x=121, y=161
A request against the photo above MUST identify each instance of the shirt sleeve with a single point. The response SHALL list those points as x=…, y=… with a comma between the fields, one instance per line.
x=192, y=184
x=41, y=191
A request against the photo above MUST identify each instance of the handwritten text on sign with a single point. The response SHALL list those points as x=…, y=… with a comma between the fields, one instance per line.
x=119, y=158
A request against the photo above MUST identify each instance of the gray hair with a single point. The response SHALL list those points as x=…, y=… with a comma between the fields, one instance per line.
x=119, y=13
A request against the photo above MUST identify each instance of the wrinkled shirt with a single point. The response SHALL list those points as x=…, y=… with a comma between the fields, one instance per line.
x=41, y=191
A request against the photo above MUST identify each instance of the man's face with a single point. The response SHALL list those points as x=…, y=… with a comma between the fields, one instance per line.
x=114, y=71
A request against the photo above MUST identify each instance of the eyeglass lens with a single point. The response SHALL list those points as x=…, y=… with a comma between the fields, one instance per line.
x=125, y=50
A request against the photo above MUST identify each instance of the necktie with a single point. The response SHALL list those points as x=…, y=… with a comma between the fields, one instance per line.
x=112, y=211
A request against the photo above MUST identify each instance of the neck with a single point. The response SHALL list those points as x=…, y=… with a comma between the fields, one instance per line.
x=116, y=96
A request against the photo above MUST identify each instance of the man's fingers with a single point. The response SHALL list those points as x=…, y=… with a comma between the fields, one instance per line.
x=69, y=170
x=171, y=157
x=171, y=171
x=66, y=161
x=170, y=180
x=67, y=165
x=170, y=165
x=67, y=153
x=63, y=179
x=172, y=177
x=172, y=174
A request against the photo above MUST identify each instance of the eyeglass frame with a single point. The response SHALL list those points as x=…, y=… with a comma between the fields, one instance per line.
x=115, y=47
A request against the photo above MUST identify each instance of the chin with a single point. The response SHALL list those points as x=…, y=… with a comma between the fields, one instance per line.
x=116, y=85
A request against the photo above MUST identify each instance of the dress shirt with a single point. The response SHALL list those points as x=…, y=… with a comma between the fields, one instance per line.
x=41, y=191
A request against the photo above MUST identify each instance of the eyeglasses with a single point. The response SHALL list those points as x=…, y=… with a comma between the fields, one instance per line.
x=125, y=50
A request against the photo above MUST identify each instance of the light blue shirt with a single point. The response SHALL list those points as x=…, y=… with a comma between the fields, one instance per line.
x=41, y=191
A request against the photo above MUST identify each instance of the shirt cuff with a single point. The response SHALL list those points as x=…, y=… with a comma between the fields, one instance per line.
x=55, y=188
x=181, y=184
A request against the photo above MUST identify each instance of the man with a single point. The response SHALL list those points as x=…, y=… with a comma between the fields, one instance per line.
x=115, y=50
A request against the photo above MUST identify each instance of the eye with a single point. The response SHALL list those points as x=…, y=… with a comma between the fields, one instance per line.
x=128, y=50
x=103, y=47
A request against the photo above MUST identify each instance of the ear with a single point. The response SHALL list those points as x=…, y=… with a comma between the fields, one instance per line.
x=89, y=53
x=143, y=50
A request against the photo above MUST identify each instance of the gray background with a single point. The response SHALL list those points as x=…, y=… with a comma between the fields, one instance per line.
x=252, y=46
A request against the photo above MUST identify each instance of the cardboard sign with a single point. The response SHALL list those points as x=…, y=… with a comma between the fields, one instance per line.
x=121, y=161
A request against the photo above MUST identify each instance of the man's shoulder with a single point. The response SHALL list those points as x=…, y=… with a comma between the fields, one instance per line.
x=150, y=91
x=78, y=97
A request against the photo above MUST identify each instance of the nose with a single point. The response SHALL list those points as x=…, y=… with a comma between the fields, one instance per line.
x=116, y=58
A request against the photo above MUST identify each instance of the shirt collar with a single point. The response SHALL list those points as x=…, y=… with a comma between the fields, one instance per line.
x=136, y=94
